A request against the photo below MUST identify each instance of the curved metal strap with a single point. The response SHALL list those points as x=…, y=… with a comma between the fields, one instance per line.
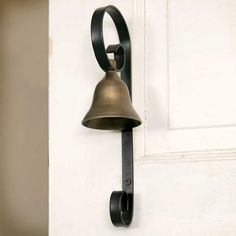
x=97, y=36
x=121, y=205
x=121, y=202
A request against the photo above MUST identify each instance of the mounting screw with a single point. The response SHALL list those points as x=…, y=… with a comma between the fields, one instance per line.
x=127, y=181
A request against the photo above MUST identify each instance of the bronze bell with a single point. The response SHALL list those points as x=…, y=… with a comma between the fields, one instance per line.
x=111, y=108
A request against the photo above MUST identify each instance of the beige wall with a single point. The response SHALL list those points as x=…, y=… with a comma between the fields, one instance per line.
x=23, y=117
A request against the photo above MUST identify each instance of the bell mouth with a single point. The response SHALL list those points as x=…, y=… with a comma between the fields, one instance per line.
x=111, y=123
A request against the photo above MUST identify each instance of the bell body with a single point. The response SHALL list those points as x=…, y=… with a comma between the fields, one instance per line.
x=111, y=108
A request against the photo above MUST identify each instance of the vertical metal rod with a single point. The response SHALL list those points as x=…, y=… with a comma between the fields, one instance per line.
x=127, y=160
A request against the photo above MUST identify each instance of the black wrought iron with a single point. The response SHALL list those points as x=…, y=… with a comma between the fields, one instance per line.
x=121, y=202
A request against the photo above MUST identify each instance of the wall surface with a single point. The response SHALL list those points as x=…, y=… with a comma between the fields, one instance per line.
x=23, y=118
x=183, y=88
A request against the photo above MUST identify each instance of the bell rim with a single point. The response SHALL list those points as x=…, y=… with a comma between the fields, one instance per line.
x=137, y=121
x=112, y=116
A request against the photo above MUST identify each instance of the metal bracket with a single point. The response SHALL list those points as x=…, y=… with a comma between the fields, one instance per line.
x=121, y=202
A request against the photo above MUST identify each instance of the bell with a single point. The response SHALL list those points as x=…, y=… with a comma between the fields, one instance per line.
x=111, y=108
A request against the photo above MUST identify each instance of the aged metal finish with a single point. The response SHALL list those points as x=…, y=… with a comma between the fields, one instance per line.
x=112, y=109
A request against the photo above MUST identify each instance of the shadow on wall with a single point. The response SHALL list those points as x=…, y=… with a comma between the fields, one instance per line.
x=23, y=118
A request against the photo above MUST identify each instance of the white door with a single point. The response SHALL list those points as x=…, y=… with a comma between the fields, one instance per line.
x=184, y=71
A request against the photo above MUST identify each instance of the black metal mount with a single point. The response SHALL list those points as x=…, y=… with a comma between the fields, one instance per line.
x=121, y=202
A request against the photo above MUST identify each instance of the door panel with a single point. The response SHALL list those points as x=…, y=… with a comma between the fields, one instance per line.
x=184, y=152
x=190, y=70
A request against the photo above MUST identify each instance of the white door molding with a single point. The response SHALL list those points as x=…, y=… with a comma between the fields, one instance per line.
x=172, y=130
